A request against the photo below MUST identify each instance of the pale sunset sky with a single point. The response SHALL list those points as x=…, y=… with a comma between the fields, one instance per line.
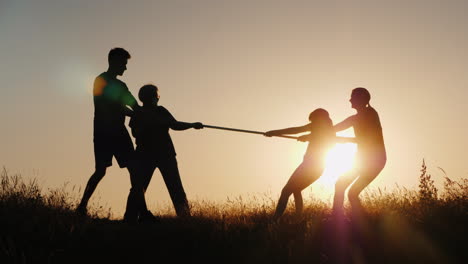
x=256, y=65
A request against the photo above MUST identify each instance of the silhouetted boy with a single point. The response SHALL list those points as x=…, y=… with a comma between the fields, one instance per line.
x=111, y=138
x=150, y=127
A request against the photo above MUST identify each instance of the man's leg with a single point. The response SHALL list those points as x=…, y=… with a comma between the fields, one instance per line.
x=171, y=176
x=90, y=187
x=103, y=158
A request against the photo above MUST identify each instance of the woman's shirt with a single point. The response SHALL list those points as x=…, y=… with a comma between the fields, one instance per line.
x=369, y=136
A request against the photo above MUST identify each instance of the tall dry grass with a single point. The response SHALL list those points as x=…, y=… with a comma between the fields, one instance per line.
x=425, y=225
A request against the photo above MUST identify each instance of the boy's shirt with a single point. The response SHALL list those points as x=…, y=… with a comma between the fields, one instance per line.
x=150, y=127
x=111, y=96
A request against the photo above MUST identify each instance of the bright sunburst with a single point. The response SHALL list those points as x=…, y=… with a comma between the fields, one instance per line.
x=339, y=160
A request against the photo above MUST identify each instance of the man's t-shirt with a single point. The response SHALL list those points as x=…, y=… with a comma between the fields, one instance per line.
x=150, y=127
x=111, y=96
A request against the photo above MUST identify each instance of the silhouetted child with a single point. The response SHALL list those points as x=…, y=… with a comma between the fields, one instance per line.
x=370, y=156
x=321, y=139
x=154, y=148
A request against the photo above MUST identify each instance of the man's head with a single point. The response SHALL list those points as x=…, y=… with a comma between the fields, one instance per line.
x=149, y=94
x=118, y=58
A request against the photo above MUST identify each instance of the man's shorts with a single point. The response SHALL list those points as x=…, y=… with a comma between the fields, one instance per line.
x=109, y=143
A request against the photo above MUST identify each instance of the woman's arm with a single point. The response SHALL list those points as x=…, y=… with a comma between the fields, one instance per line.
x=345, y=124
x=343, y=140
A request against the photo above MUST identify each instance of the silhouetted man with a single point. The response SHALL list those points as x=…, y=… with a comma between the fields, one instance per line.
x=111, y=138
x=150, y=127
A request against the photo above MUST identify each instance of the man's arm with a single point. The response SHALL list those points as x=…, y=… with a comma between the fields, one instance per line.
x=127, y=111
x=127, y=99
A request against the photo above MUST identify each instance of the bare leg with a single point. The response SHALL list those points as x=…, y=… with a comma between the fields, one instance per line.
x=299, y=180
x=367, y=176
x=340, y=187
x=282, y=202
x=299, y=203
x=90, y=187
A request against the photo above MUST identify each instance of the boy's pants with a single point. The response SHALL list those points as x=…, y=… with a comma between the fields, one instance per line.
x=170, y=173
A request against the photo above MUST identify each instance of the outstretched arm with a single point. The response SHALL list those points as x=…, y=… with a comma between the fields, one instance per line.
x=347, y=123
x=340, y=140
x=343, y=140
x=177, y=125
x=290, y=130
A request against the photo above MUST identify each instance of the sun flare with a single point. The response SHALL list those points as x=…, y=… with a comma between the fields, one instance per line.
x=339, y=160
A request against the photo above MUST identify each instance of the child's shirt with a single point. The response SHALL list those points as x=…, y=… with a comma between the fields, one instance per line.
x=150, y=127
x=322, y=139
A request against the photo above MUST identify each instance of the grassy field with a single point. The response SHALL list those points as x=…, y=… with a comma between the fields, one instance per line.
x=402, y=226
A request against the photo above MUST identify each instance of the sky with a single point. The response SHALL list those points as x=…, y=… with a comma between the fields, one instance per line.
x=256, y=65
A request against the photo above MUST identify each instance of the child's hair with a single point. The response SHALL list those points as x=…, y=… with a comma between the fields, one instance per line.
x=362, y=93
x=320, y=115
x=147, y=93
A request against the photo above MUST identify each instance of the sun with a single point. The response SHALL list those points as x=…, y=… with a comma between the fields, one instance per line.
x=339, y=160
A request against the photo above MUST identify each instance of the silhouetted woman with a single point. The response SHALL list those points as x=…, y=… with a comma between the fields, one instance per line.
x=321, y=139
x=371, y=155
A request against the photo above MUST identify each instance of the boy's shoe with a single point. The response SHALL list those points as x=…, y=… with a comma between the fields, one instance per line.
x=130, y=220
x=81, y=210
x=148, y=217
